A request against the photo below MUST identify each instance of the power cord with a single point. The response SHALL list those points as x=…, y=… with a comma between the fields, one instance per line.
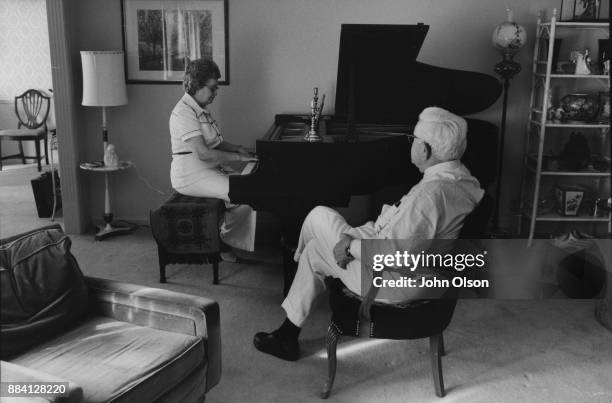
x=53, y=146
x=146, y=182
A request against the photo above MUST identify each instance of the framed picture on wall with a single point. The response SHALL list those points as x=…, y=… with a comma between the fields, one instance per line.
x=159, y=34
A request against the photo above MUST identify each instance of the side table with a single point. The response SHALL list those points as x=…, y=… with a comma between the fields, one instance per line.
x=108, y=229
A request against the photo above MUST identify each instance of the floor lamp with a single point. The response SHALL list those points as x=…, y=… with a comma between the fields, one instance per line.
x=104, y=85
x=508, y=39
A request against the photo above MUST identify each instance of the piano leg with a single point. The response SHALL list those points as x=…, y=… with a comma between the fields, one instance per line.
x=289, y=267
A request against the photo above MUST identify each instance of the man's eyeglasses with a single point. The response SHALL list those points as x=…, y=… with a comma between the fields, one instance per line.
x=412, y=137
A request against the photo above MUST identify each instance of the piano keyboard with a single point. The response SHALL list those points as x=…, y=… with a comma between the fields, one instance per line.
x=249, y=168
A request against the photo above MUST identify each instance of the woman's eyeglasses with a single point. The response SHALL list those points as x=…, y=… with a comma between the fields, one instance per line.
x=212, y=88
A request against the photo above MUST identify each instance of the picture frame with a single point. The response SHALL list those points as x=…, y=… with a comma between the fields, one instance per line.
x=159, y=34
x=584, y=10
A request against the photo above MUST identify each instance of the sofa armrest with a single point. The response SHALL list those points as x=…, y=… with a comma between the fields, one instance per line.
x=19, y=374
x=164, y=310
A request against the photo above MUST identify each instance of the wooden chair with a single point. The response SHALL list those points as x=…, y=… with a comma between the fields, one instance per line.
x=356, y=316
x=32, y=110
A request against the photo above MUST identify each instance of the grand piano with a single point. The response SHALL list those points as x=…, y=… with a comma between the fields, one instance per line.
x=380, y=91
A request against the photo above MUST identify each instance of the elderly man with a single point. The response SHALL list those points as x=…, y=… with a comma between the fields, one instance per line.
x=434, y=208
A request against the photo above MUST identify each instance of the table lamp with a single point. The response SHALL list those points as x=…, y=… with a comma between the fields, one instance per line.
x=103, y=82
x=508, y=38
x=104, y=85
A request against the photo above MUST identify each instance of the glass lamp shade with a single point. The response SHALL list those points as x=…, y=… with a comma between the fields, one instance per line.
x=103, y=78
x=509, y=37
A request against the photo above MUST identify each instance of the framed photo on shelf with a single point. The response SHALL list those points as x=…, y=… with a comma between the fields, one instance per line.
x=159, y=34
x=584, y=10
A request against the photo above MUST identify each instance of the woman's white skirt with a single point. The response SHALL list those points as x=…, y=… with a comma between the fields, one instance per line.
x=237, y=228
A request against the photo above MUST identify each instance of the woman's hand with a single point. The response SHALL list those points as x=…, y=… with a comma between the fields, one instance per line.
x=245, y=151
x=247, y=157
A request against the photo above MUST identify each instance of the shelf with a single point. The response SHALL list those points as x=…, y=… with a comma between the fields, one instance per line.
x=596, y=174
x=574, y=24
x=554, y=217
x=532, y=161
x=571, y=125
x=578, y=76
x=543, y=72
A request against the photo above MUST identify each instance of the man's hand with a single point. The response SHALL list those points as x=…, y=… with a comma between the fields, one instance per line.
x=340, y=251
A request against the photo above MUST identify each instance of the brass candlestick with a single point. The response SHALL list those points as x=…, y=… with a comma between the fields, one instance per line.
x=315, y=114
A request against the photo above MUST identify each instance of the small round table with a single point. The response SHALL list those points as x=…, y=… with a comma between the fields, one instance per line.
x=108, y=229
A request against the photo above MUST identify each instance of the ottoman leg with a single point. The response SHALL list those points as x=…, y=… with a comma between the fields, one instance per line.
x=216, y=271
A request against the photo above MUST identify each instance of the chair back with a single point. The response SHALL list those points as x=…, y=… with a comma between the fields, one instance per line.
x=32, y=109
x=475, y=223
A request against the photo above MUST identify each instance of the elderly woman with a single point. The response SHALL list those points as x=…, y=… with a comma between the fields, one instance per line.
x=199, y=150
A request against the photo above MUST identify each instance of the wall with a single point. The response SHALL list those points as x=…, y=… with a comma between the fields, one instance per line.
x=25, y=61
x=279, y=50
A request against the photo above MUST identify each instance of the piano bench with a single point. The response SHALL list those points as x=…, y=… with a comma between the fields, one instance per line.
x=186, y=230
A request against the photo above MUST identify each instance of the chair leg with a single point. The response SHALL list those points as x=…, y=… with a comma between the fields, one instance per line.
x=46, y=150
x=161, y=254
x=215, y=272
x=37, y=146
x=436, y=363
x=333, y=335
x=441, y=349
x=21, y=152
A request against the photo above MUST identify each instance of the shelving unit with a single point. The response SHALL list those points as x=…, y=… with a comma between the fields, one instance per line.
x=539, y=127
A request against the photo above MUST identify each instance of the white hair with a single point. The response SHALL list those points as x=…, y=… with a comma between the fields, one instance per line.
x=444, y=131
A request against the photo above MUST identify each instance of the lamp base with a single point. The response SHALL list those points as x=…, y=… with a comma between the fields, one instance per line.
x=108, y=230
x=507, y=68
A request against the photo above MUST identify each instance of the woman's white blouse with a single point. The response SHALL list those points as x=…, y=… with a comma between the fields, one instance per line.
x=187, y=120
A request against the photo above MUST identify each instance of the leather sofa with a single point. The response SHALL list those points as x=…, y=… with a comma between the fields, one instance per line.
x=125, y=343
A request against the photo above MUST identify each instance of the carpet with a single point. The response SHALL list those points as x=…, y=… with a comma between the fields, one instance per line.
x=498, y=351
x=17, y=205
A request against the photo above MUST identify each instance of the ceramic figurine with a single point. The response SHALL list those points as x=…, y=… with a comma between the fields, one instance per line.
x=110, y=156
x=580, y=61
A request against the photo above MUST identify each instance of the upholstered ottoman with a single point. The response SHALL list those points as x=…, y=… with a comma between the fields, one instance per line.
x=186, y=230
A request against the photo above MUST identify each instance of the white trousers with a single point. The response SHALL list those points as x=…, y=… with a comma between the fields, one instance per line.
x=320, y=232
x=237, y=228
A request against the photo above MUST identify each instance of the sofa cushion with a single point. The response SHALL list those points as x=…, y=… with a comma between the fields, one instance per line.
x=118, y=361
x=42, y=290
x=11, y=372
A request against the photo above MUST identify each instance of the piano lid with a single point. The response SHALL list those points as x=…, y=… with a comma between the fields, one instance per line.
x=378, y=71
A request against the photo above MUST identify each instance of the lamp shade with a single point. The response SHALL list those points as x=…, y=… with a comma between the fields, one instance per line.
x=103, y=78
x=509, y=37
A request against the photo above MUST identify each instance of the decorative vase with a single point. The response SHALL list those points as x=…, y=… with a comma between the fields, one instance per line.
x=569, y=199
x=578, y=107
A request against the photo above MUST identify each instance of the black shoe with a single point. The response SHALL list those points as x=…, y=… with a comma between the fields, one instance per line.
x=270, y=343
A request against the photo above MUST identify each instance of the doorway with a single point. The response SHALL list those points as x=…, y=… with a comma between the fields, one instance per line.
x=26, y=64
